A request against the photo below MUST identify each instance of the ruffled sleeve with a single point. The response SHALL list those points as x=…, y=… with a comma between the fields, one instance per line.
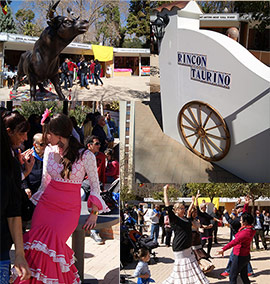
x=46, y=178
x=90, y=165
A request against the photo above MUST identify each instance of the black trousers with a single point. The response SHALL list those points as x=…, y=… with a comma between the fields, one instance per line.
x=168, y=236
x=239, y=265
x=256, y=237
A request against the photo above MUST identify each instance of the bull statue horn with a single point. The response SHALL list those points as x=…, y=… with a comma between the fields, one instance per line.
x=72, y=15
x=52, y=8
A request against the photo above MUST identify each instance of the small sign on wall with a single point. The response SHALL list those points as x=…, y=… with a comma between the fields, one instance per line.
x=199, y=72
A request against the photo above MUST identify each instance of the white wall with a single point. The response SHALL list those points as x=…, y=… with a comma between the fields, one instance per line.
x=245, y=106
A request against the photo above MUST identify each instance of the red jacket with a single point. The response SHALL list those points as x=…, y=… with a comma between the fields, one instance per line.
x=92, y=68
x=71, y=66
x=242, y=241
x=101, y=166
x=112, y=169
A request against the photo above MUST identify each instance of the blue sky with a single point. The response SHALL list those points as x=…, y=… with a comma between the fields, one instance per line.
x=16, y=5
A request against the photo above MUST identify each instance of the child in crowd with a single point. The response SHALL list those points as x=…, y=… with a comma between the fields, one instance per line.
x=142, y=271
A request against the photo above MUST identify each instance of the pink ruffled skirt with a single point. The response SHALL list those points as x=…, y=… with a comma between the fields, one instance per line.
x=55, y=218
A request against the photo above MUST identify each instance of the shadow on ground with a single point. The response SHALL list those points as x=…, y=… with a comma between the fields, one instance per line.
x=111, y=277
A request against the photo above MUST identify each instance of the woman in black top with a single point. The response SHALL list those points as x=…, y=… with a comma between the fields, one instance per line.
x=11, y=223
x=186, y=269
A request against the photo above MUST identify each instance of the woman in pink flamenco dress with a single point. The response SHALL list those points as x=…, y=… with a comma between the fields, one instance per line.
x=58, y=208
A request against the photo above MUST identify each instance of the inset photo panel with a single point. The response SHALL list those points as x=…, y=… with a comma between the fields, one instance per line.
x=60, y=191
x=195, y=233
x=209, y=110
x=75, y=51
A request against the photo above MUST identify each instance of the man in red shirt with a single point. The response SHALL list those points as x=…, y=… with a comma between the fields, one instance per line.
x=93, y=144
x=241, y=250
x=92, y=71
x=71, y=67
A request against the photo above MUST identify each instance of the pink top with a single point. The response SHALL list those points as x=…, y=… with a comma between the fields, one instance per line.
x=85, y=165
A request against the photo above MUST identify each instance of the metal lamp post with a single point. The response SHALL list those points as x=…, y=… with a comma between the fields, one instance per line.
x=158, y=27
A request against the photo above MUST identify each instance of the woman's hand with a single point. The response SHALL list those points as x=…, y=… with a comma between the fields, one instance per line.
x=220, y=252
x=166, y=187
x=90, y=222
x=28, y=192
x=22, y=267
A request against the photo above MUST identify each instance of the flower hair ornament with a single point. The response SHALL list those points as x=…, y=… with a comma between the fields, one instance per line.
x=47, y=113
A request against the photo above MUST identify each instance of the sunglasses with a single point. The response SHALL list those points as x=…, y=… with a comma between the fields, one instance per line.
x=96, y=143
x=41, y=144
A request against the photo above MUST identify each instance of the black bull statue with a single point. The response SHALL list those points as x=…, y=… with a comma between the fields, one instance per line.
x=43, y=62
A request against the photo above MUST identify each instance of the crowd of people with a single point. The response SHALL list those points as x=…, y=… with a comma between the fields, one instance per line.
x=194, y=230
x=44, y=163
x=86, y=71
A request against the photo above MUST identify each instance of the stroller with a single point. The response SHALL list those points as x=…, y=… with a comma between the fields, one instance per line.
x=110, y=195
x=137, y=240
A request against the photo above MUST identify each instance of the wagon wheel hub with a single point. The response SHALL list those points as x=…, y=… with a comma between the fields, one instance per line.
x=201, y=132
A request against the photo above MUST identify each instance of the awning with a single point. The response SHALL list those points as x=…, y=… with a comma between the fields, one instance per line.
x=103, y=53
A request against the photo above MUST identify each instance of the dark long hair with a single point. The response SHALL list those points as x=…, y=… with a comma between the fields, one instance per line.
x=15, y=121
x=6, y=154
x=61, y=125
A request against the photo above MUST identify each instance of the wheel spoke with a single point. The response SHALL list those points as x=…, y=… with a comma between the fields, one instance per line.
x=213, y=127
x=209, y=147
x=202, y=145
x=200, y=115
x=214, y=144
x=188, y=127
x=207, y=118
x=194, y=145
x=216, y=137
x=191, y=122
x=192, y=115
x=190, y=135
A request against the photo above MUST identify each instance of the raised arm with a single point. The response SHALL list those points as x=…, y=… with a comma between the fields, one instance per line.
x=247, y=200
x=166, y=199
x=191, y=206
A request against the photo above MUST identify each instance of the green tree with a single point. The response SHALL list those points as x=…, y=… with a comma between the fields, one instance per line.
x=80, y=113
x=173, y=194
x=258, y=10
x=108, y=26
x=138, y=22
x=25, y=23
x=211, y=190
x=7, y=23
x=38, y=108
x=132, y=43
x=216, y=6
x=126, y=194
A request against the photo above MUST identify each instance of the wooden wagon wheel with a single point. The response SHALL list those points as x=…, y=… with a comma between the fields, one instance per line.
x=204, y=131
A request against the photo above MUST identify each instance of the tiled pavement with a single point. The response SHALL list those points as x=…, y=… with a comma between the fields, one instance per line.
x=117, y=88
x=161, y=159
x=260, y=261
x=101, y=262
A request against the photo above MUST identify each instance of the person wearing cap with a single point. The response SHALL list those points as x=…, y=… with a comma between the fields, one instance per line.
x=235, y=225
x=241, y=249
